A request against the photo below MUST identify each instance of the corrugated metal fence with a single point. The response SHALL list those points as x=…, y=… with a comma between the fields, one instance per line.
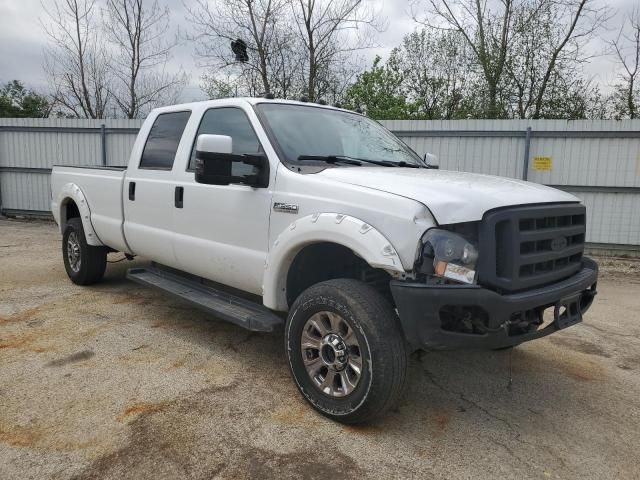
x=598, y=161
x=29, y=147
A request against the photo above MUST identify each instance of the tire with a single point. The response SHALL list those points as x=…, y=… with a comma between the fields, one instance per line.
x=91, y=261
x=356, y=314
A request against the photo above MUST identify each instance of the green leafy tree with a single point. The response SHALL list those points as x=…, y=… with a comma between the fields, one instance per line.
x=379, y=91
x=219, y=87
x=625, y=101
x=18, y=101
x=435, y=74
x=569, y=98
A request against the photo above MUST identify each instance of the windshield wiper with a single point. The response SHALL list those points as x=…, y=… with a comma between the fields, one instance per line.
x=401, y=163
x=357, y=161
x=331, y=159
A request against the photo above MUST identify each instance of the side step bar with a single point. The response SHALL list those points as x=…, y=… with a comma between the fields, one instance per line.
x=223, y=305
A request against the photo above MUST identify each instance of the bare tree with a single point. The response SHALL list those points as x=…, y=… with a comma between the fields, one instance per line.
x=523, y=64
x=258, y=23
x=137, y=30
x=508, y=36
x=577, y=21
x=294, y=47
x=331, y=31
x=487, y=29
x=547, y=54
x=76, y=61
x=626, y=47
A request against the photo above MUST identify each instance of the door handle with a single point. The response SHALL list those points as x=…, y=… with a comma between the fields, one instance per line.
x=178, y=197
x=132, y=191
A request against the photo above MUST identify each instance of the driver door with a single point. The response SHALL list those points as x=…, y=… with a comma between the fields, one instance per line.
x=221, y=231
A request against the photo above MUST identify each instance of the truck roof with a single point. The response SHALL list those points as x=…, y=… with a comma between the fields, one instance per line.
x=235, y=101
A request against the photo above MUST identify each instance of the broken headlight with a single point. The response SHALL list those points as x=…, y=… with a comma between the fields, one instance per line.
x=448, y=255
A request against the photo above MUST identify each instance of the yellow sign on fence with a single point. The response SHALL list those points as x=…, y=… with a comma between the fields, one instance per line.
x=542, y=163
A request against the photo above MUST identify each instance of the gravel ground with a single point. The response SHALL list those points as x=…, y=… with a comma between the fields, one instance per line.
x=118, y=381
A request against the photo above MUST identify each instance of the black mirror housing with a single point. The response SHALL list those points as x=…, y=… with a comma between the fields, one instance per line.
x=216, y=169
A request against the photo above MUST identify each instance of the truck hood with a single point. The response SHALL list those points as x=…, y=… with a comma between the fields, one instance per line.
x=452, y=197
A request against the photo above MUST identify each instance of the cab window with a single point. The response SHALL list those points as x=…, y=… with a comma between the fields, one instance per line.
x=163, y=140
x=234, y=123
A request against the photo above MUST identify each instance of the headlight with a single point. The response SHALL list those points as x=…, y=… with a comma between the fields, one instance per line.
x=449, y=255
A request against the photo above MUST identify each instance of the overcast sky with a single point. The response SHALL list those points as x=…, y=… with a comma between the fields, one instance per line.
x=22, y=40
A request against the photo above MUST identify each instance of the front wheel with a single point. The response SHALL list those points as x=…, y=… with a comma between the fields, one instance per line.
x=346, y=350
x=85, y=264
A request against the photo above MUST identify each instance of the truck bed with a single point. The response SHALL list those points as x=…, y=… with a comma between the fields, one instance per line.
x=102, y=189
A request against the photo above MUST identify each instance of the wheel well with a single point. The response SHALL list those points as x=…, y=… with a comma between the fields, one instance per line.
x=325, y=261
x=69, y=210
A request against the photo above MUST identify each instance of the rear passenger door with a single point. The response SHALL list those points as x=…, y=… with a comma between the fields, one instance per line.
x=148, y=193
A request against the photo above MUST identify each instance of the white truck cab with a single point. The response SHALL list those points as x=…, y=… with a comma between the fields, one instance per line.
x=277, y=214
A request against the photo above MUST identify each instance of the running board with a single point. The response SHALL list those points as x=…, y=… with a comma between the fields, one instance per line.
x=223, y=305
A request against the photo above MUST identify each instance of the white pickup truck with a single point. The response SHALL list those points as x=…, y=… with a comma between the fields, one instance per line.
x=288, y=215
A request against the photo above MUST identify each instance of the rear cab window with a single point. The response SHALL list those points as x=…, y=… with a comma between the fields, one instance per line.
x=162, y=142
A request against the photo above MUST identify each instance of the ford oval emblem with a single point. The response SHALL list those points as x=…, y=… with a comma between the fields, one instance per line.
x=558, y=243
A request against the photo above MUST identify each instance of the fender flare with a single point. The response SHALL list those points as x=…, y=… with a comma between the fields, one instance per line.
x=71, y=191
x=357, y=235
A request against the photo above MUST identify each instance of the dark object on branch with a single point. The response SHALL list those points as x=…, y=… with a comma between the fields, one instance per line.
x=239, y=49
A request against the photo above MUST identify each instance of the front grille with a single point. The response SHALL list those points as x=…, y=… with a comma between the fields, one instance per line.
x=530, y=246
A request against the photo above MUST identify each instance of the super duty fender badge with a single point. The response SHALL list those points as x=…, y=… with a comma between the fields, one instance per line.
x=285, y=207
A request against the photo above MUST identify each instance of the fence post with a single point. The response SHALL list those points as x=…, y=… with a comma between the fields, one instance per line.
x=1, y=138
x=103, y=144
x=527, y=150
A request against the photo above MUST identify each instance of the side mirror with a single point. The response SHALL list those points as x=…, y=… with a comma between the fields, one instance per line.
x=431, y=160
x=216, y=165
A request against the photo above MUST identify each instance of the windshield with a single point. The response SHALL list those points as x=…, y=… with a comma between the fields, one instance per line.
x=306, y=131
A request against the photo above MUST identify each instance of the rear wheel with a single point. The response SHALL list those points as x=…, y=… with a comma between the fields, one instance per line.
x=85, y=264
x=346, y=350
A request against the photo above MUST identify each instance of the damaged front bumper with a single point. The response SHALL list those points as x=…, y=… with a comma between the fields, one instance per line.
x=470, y=316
